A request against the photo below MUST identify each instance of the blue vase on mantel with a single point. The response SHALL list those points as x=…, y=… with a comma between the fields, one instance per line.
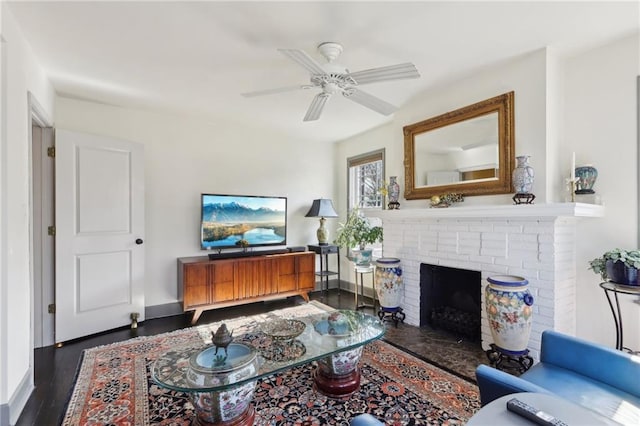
x=585, y=179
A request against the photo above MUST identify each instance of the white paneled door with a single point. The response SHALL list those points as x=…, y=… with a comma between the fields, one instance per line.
x=99, y=233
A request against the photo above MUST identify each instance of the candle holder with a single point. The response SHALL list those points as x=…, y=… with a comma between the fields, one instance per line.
x=572, y=188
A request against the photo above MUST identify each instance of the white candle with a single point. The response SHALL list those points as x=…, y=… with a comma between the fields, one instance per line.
x=573, y=166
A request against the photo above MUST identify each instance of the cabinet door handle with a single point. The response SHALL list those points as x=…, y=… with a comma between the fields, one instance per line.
x=139, y=241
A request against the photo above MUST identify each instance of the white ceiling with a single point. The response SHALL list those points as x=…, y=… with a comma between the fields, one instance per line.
x=197, y=57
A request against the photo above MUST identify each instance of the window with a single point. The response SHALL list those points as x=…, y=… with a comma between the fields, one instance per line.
x=365, y=178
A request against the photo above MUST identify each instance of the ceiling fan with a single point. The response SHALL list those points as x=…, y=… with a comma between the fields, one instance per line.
x=333, y=78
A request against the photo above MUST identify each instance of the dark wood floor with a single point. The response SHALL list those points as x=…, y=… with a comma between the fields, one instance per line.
x=55, y=368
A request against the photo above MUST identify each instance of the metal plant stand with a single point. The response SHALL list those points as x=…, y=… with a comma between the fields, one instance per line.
x=391, y=314
x=509, y=362
x=615, y=288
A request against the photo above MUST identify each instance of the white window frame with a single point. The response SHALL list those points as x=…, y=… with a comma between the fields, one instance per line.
x=356, y=183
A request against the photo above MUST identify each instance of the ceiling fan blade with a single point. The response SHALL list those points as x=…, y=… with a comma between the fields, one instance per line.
x=276, y=90
x=303, y=59
x=369, y=101
x=315, y=109
x=391, y=72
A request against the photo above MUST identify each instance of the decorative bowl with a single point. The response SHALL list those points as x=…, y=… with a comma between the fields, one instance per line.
x=285, y=329
x=208, y=369
x=326, y=328
x=340, y=323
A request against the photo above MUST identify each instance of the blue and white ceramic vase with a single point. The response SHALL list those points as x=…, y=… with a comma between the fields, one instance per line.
x=393, y=191
x=585, y=179
x=208, y=369
x=508, y=304
x=523, y=176
x=389, y=286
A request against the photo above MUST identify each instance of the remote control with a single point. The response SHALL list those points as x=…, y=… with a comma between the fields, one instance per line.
x=531, y=413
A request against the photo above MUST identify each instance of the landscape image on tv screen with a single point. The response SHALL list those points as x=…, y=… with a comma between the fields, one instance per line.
x=226, y=219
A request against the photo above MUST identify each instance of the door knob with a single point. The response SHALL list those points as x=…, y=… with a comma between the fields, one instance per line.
x=139, y=241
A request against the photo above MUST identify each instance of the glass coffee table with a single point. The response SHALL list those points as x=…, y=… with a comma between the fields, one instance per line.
x=220, y=380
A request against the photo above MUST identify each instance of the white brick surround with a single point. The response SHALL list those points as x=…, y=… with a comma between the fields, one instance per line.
x=533, y=241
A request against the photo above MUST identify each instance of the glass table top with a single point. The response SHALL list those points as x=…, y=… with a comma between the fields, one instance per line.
x=267, y=349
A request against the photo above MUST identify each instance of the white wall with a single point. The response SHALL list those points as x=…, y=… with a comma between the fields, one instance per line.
x=20, y=74
x=585, y=104
x=525, y=76
x=185, y=157
x=600, y=117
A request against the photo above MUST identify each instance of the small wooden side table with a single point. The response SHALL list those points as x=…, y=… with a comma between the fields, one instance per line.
x=324, y=250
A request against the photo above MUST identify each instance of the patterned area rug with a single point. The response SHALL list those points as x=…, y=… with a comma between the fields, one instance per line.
x=114, y=386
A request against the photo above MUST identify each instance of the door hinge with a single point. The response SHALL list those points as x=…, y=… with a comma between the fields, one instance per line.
x=51, y=230
x=51, y=152
x=52, y=308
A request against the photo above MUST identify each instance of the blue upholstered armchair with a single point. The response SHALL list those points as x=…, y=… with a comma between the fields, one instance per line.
x=599, y=378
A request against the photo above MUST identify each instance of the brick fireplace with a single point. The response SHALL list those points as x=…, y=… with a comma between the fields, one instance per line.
x=533, y=241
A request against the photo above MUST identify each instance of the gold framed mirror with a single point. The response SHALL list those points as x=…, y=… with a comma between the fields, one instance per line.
x=468, y=151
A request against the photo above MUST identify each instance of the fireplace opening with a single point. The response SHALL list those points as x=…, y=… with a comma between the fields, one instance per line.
x=450, y=300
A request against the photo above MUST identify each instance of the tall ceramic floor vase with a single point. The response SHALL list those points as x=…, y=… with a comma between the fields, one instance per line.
x=389, y=286
x=508, y=303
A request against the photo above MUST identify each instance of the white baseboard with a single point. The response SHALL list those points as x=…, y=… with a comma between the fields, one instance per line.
x=161, y=311
x=19, y=399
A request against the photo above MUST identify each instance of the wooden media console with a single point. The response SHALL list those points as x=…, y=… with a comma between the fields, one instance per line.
x=205, y=284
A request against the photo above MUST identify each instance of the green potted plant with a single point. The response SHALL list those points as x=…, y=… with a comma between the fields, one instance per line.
x=618, y=265
x=357, y=232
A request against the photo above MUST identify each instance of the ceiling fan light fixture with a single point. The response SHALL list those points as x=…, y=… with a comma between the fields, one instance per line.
x=331, y=88
x=330, y=50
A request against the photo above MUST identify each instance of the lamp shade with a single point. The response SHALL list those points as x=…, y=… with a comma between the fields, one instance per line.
x=322, y=207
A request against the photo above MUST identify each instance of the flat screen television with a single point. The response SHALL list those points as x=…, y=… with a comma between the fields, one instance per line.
x=226, y=219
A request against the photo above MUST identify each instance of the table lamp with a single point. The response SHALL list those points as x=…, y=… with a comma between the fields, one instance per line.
x=322, y=208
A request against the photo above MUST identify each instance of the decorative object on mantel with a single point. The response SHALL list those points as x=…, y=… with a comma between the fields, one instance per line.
x=393, y=189
x=446, y=200
x=389, y=288
x=618, y=265
x=523, y=178
x=508, y=304
x=358, y=232
x=585, y=179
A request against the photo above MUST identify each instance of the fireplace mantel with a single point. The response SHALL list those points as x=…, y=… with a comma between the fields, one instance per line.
x=495, y=211
x=536, y=241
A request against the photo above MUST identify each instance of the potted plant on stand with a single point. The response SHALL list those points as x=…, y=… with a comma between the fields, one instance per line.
x=617, y=265
x=355, y=234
